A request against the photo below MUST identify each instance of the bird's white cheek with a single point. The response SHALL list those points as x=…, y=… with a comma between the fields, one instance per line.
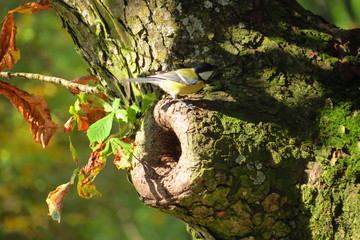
x=206, y=75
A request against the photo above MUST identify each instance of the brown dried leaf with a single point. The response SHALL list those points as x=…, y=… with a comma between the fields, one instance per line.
x=55, y=201
x=93, y=110
x=69, y=125
x=32, y=7
x=83, y=123
x=85, y=80
x=82, y=80
x=9, y=54
x=95, y=164
x=35, y=111
x=87, y=190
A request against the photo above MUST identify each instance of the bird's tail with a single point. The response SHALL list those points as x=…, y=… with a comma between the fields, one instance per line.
x=142, y=80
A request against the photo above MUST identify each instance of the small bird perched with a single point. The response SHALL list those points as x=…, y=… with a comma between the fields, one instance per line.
x=181, y=81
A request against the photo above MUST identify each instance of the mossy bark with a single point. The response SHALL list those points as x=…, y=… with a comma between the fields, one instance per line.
x=272, y=151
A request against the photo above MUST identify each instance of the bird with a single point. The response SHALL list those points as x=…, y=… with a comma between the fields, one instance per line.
x=182, y=81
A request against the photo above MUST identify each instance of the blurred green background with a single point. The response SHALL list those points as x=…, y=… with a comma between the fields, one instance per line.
x=28, y=172
x=342, y=13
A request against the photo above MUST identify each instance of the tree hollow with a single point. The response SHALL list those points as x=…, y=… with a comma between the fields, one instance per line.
x=165, y=159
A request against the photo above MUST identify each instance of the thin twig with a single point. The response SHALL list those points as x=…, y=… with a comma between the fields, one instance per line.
x=68, y=84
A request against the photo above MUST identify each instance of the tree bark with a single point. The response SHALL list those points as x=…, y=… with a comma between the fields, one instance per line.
x=272, y=149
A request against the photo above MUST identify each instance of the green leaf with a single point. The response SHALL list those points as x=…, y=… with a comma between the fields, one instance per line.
x=116, y=141
x=73, y=152
x=122, y=114
x=126, y=146
x=107, y=107
x=116, y=104
x=135, y=108
x=72, y=110
x=82, y=97
x=77, y=106
x=148, y=99
x=132, y=112
x=106, y=149
x=100, y=130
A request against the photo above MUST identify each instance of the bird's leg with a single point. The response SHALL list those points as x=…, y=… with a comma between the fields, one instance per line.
x=190, y=106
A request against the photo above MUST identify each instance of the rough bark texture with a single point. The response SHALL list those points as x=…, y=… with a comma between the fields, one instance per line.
x=272, y=151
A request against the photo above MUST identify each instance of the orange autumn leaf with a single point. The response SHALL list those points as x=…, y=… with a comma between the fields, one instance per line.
x=82, y=80
x=87, y=190
x=95, y=164
x=55, y=198
x=32, y=7
x=35, y=111
x=83, y=123
x=85, y=80
x=9, y=54
x=55, y=201
x=129, y=140
x=93, y=114
x=93, y=109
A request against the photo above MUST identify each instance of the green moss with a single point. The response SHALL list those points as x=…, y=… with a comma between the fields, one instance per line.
x=231, y=125
x=330, y=198
x=340, y=128
x=229, y=47
x=201, y=211
x=209, y=179
x=315, y=38
x=308, y=195
x=327, y=58
x=217, y=198
x=242, y=209
x=280, y=229
x=238, y=34
x=282, y=25
x=269, y=43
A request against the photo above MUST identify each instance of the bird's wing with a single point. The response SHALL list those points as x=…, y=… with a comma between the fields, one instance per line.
x=183, y=76
x=177, y=76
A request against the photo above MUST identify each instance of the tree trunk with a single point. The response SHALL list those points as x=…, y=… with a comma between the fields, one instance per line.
x=272, y=151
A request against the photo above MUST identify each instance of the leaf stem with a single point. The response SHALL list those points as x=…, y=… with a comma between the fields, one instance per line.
x=68, y=84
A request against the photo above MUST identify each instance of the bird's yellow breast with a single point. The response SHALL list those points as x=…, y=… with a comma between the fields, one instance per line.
x=175, y=88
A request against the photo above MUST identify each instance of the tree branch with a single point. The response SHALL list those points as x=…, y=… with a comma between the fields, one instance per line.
x=68, y=84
